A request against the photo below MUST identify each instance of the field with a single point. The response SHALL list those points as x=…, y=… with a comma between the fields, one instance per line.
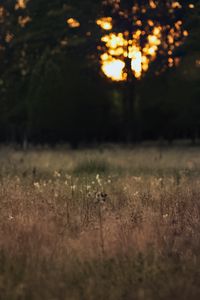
x=106, y=224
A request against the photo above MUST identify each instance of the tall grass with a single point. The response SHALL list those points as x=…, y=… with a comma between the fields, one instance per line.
x=69, y=231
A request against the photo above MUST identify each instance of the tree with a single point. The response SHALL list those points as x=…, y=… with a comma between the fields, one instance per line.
x=49, y=64
x=143, y=35
x=28, y=30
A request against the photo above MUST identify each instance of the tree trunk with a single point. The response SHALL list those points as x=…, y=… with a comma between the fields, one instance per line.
x=129, y=103
x=129, y=99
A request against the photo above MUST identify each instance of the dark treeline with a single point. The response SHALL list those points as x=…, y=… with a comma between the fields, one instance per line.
x=52, y=90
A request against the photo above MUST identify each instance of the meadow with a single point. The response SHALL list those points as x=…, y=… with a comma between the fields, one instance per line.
x=100, y=224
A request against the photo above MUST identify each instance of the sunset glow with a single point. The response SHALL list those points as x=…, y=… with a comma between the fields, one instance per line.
x=149, y=39
x=73, y=23
x=21, y=4
x=119, y=47
x=105, y=23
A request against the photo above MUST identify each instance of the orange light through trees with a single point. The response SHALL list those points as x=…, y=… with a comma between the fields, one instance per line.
x=73, y=23
x=21, y=4
x=105, y=23
x=148, y=39
x=119, y=47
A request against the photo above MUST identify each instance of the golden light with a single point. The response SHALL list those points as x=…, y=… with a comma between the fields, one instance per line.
x=105, y=23
x=9, y=37
x=176, y=5
x=2, y=14
x=73, y=23
x=119, y=47
x=135, y=41
x=191, y=5
x=21, y=4
x=113, y=68
x=152, y=4
x=23, y=21
x=185, y=33
x=198, y=63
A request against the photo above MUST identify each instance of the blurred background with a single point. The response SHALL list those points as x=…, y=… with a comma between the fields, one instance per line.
x=52, y=89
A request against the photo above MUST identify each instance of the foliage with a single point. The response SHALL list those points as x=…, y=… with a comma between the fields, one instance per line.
x=51, y=88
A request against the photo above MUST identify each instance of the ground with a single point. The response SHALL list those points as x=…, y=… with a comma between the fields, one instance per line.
x=112, y=223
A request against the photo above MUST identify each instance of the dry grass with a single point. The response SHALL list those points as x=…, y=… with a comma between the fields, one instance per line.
x=63, y=238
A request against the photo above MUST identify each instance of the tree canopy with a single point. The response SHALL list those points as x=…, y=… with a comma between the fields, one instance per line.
x=52, y=87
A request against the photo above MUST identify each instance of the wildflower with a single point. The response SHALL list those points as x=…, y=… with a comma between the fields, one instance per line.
x=36, y=185
x=125, y=188
x=57, y=174
x=98, y=179
x=137, y=178
x=165, y=216
x=73, y=187
x=17, y=179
